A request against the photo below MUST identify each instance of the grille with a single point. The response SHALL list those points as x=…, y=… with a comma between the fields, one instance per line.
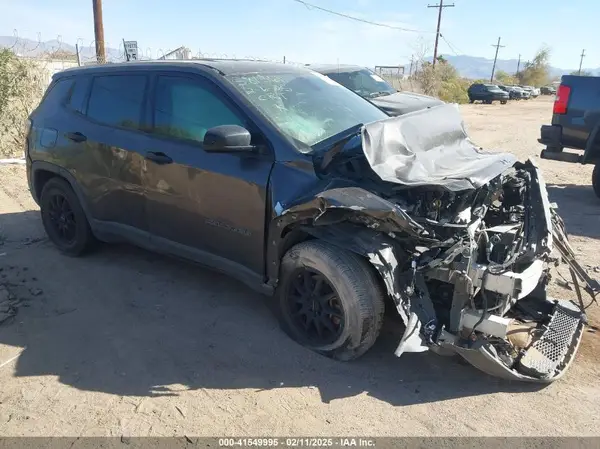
x=544, y=356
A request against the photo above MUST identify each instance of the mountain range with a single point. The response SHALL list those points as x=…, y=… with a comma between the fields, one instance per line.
x=473, y=67
x=476, y=67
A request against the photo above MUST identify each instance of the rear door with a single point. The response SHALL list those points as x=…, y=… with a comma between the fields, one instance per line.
x=109, y=145
x=94, y=132
x=204, y=205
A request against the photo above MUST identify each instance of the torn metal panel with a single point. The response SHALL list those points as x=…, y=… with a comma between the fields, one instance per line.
x=430, y=148
x=347, y=203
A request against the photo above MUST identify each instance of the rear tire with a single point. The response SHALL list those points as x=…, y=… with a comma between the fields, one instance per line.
x=503, y=102
x=353, y=306
x=596, y=180
x=63, y=218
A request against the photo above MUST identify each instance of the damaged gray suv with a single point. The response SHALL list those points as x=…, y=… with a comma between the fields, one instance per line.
x=296, y=186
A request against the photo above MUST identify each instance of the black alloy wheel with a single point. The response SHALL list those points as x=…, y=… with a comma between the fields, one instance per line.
x=315, y=307
x=62, y=218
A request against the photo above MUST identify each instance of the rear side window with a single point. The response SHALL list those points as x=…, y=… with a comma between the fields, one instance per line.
x=77, y=102
x=117, y=100
x=57, y=94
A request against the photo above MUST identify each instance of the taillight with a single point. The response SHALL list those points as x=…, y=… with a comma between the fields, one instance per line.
x=562, y=99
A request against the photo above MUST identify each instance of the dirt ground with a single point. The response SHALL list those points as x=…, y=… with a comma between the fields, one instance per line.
x=127, y=343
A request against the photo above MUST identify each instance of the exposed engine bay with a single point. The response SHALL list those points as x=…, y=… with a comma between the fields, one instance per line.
x=463, y=240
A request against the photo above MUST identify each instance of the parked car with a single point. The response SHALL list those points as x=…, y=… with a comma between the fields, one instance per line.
x=533, y=91
x=515, y=93
x=378, y=91
x=296, y=186
x=575, y=124
x=487, y=93
x=548, y=90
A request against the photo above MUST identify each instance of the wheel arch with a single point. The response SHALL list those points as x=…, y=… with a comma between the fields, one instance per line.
x=43, y=171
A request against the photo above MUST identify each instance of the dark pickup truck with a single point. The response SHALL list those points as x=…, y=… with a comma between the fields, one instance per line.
x=575, y=124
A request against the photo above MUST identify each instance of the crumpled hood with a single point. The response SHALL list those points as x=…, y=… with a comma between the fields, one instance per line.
x=405, y=102
x=430, y=147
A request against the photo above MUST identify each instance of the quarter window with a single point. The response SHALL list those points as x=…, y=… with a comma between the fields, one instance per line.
x=79, y=94
x=187, y=108
x=117, y=100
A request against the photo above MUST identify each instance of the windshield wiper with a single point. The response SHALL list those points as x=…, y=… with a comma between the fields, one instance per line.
x=379, y=94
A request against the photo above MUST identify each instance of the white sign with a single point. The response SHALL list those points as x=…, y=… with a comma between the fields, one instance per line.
x=131, y=50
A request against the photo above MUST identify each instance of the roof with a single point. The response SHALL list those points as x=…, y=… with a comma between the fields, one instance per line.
x=334, y=68
x=224, y=66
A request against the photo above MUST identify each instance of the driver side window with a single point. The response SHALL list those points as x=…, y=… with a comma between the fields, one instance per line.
x=186, y=108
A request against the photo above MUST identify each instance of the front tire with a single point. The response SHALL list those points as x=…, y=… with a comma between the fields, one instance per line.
x=63, y=218
x=330, y=300
x=503, y=102
x=596, y=180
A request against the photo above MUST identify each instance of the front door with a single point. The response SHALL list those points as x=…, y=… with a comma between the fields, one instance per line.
x=203, y=205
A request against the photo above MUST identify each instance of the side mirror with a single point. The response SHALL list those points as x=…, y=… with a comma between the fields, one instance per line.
x=228, y=139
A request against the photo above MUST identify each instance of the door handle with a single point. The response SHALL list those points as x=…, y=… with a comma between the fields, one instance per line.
x=76, y=137
x=158, y=157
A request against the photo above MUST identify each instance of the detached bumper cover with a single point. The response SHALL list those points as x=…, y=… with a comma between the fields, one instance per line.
x=546, y=360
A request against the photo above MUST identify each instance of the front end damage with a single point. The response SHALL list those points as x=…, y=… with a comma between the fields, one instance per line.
x=463, y=240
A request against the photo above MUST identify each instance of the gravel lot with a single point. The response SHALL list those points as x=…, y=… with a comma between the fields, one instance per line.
x=128, y=343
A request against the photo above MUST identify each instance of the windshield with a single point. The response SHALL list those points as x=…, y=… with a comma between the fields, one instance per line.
x=306, y=106
x=364, y=82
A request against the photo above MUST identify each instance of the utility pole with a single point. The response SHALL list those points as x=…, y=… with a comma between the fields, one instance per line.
x=581, y=60
x=412, y=57
x=498, y=46
x=78, y=57
x=437, y=34
x=519, y=64
x=99, y=32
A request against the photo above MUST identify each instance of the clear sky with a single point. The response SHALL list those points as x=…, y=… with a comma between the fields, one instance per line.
x=276, y=28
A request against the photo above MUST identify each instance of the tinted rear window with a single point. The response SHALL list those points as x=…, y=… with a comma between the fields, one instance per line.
x=57, y=93
x=117, y=100
x=77, y=102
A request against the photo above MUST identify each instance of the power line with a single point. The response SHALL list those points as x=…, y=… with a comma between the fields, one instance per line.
x=440, y=7
x=453, y=48
x=498, y=46
x=357, y=19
